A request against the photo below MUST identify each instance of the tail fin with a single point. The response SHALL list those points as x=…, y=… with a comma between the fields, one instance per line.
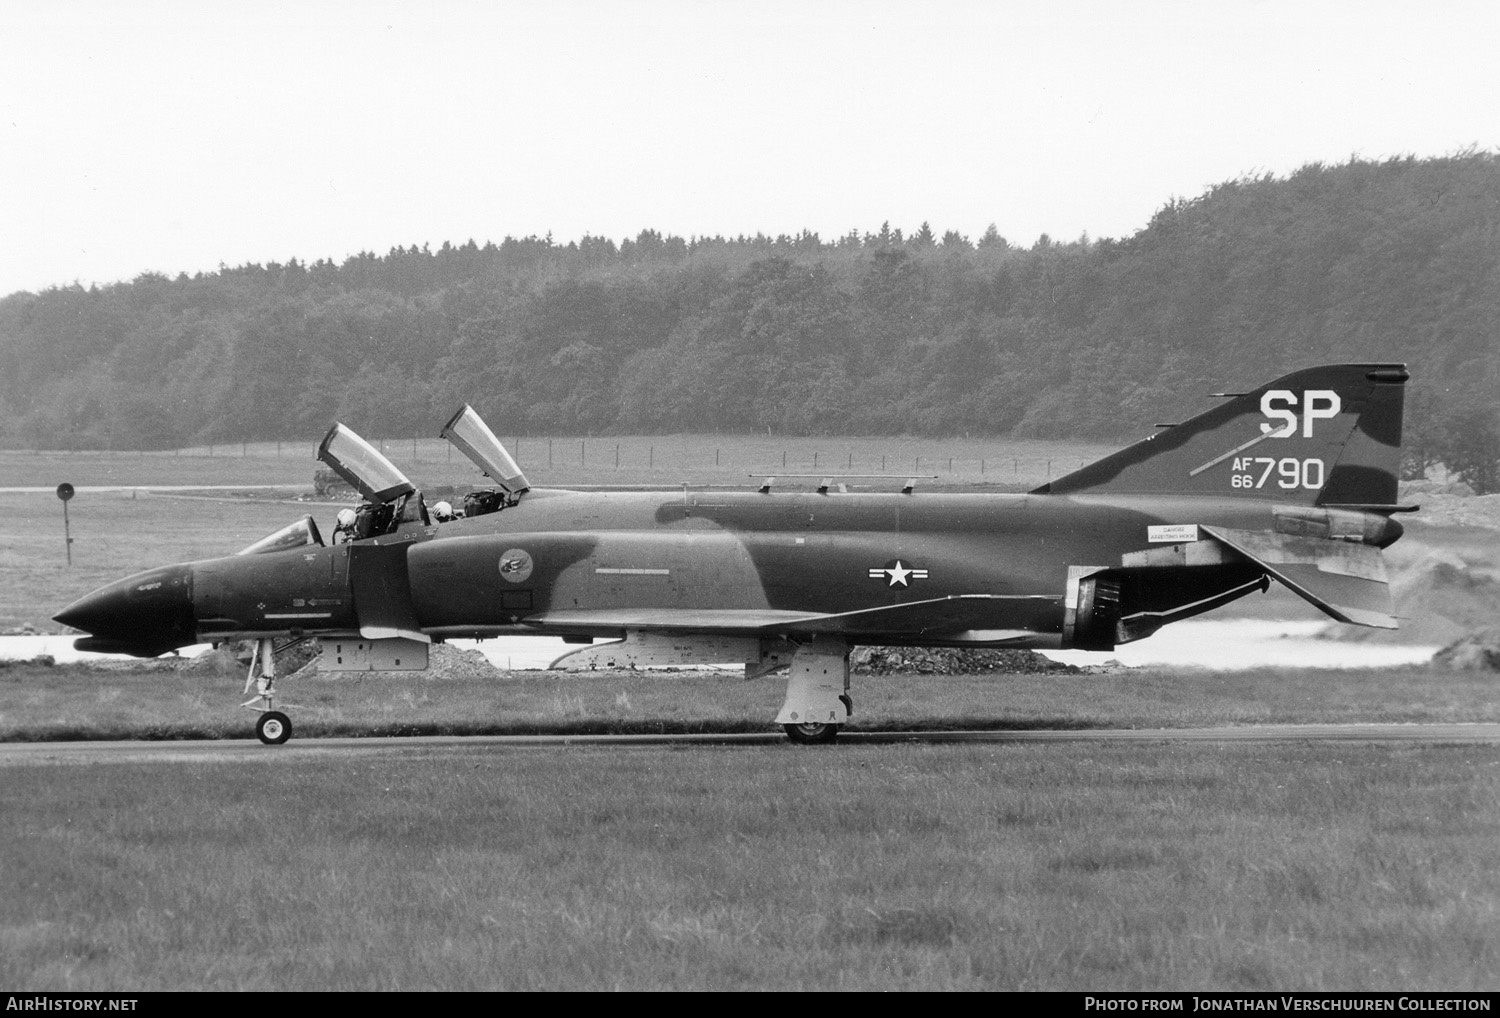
x=1325, y=436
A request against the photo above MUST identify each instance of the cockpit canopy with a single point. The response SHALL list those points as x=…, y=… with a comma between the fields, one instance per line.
x=359, y=463
x=300, y=534
x=475, y=440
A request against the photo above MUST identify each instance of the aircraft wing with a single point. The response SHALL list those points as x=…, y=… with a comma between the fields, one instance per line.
x=748, y=622
x=1344, y=580
x=961, y=613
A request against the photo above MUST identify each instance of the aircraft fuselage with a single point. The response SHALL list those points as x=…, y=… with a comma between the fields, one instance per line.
x=577, y=563
x=1293, y=481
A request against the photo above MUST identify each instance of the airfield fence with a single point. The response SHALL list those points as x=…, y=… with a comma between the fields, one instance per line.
x=729, y=460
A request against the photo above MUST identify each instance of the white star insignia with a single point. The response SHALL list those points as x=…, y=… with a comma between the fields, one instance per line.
x=898, y=573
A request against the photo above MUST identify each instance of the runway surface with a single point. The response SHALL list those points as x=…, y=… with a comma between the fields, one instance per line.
x=20, y=754
x=84, y=488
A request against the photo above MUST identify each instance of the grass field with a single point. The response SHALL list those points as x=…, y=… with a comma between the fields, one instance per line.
x=1028, y=866
x=146, y=701
x=1014, y=867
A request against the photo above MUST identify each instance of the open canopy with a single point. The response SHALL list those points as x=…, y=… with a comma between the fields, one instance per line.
x=359, y=463
x=475, y=440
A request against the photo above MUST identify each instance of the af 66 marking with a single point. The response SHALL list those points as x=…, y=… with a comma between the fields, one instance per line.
x=1290, y=472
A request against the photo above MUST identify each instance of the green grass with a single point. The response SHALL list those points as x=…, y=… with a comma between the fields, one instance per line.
x=151, y=701
x=1078, y=866
x=1065, y=867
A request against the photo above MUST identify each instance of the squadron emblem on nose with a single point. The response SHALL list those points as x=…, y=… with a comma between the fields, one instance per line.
x=898, y=573
x=515, y=566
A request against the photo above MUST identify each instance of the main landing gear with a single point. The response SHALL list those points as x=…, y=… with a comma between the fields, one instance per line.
x=272, y=727
x=817, y=692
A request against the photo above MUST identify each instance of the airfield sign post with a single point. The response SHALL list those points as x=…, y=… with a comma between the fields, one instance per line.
x=65, y=492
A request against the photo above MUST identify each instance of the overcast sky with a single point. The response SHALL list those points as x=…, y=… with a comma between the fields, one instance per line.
x=169, y=137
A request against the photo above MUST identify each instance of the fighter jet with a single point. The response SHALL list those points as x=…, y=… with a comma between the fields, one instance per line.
x=1292, y=482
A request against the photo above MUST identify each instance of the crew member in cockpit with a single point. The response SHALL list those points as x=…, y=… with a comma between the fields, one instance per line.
x=443, y=513
x=343, y=531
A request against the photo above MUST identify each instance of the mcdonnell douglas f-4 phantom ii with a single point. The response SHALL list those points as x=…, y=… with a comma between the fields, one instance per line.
x=1294, y=481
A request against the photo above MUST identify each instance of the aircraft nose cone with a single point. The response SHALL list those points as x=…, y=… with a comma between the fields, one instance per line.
x=146, y=614
x=92, y=612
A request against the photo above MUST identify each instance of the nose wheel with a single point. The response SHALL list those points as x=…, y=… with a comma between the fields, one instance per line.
x=273, y=728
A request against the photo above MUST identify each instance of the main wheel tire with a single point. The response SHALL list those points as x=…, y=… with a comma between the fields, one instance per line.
x=812, y=734
x=273, y=728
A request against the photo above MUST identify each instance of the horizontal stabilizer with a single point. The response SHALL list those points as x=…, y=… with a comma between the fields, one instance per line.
x=1344, y=580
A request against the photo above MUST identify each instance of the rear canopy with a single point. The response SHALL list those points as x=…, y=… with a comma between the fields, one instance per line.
x=467, y=430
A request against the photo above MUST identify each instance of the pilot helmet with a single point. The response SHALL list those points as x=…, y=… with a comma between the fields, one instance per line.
x=346, y=518
x=443, y=510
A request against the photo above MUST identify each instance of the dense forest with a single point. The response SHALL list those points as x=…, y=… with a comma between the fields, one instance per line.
x=867, y=333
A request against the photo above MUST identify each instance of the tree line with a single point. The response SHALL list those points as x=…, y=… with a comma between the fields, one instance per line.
x=868, y=333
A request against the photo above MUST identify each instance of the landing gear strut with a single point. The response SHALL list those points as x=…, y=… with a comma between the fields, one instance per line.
x=272, y=727
x=817, y=692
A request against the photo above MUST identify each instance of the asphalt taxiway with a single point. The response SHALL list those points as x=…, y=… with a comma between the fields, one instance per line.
x=13, y=754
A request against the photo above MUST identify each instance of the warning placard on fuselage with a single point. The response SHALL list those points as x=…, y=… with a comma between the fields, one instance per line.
x=1173, y=533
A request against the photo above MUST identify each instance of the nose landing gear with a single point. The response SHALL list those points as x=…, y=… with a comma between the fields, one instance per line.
x=272, y=727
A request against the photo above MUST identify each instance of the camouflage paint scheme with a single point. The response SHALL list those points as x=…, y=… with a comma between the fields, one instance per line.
x=1294, y=481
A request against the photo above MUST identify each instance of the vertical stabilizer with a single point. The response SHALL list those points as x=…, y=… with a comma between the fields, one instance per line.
x=1327, y=436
